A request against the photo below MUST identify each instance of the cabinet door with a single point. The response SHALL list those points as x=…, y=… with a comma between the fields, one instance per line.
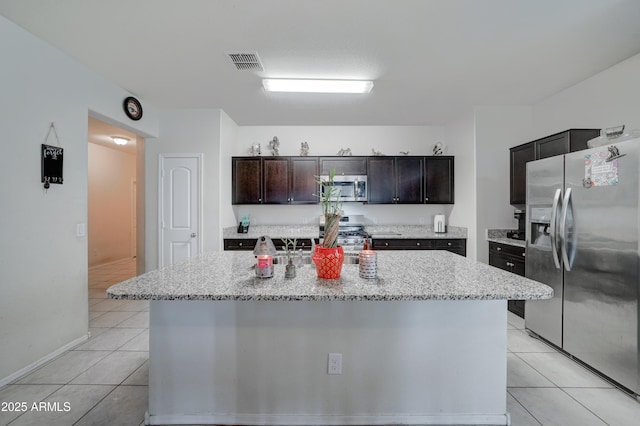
x=454, y=246
x=239, y=243
x=344, y=165
x=381, y=180
x=276, y=180
x=520, y=156
x=507, y=263
x=438, y=175
x=409, y=180
x=304, y=188
x=552, y=146
x=245, y=181
x=402, y=244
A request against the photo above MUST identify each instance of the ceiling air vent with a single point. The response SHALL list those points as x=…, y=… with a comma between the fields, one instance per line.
x=246, y=61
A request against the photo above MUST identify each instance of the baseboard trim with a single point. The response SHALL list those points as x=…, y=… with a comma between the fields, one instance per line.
x=29, y=368
x=256, y=419
x=124, y=259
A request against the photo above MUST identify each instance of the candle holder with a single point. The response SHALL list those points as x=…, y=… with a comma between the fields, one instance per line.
x=368, y=264
x=264, y=266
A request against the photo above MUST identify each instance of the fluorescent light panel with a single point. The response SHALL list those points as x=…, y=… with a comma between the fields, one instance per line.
x=316, y=86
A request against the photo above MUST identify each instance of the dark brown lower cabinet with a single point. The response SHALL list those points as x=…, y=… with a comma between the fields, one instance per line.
x=250, y=243
x=509, y=258
x=458, y=246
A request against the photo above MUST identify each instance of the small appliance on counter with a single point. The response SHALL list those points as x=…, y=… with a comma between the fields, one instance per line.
x=520, y=234
x=439, y=225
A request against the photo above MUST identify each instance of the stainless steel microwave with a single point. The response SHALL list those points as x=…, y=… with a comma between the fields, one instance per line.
x=351, y=188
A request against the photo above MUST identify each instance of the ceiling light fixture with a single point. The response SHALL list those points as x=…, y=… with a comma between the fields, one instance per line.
x=316, y=86
x=119, y=140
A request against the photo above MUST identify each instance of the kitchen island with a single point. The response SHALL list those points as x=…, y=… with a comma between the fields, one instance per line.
x=424, y=343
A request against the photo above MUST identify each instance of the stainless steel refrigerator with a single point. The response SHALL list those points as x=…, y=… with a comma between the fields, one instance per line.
x=582, y=240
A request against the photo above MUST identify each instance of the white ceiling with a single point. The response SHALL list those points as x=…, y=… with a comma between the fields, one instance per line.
x=431, y=59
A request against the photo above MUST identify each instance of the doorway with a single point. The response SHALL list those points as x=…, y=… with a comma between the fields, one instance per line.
x=115, y=203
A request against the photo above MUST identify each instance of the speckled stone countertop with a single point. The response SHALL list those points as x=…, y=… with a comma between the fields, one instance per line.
x=414, y=231
x=500, y=236
x=273, y=231
x=402, y=275
x=376, y=231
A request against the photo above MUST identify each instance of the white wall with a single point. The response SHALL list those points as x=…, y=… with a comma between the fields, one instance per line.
x=607, y=99
x=461, y=134
x=193, y=132
x=497, y=128
x=228, y=139
x=43, y=265
x=110, y=207
x=328, y=140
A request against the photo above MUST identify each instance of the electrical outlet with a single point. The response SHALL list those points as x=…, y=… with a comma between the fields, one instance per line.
x=335, y=364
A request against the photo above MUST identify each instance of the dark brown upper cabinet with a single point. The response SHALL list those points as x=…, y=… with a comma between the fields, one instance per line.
x=274, y=180
x=303, y=185
x=381, y=180
x=438, y=180
x=557, y=144
x=411, y=180
x=390, y=180
x=564, y=142
x=246, y=180
x=520, y=156
x=343, y=165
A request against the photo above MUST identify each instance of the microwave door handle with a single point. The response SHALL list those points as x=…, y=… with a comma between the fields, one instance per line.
x=553, y=231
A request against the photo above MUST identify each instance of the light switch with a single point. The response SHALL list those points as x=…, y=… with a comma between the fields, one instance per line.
x=81, y=230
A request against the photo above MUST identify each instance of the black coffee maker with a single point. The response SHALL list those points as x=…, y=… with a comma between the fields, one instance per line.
x=520, y=233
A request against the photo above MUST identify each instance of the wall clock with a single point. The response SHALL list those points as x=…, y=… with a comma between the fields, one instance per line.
x=132, y=108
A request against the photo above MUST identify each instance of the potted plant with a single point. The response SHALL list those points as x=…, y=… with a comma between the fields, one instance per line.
x=290, y=268
x=329, y=256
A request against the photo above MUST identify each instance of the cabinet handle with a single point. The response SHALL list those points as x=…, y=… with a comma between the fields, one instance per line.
x=499, y=248
x=523, y=254
x=386, y=244
x=260, y=199
x=417, y=244
x=426, y=198
x=240, y=244
x=510, y=264
x=449, y=244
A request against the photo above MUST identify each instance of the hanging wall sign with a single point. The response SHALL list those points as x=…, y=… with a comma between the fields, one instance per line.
x=51, y=164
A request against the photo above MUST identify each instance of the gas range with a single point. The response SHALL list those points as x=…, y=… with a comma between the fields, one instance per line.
x=351, y=233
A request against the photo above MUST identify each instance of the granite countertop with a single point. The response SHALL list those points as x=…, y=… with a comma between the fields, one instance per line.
x=376, y=231
x=500, y=236
x=273, y=231
x=402, y=275
x=414, y=232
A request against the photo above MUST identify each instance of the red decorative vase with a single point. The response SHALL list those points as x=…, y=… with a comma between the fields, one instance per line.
x=328, y=261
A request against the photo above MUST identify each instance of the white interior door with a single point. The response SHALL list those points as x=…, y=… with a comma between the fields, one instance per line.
x=180, y=205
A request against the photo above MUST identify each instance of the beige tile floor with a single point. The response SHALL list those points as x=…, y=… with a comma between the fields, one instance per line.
x=105, y=379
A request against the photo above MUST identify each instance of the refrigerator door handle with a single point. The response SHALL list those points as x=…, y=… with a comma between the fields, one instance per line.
x=553, y=231
x=567, y=258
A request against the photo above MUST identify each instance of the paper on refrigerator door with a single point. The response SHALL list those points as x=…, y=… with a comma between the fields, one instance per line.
x=599, y=172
